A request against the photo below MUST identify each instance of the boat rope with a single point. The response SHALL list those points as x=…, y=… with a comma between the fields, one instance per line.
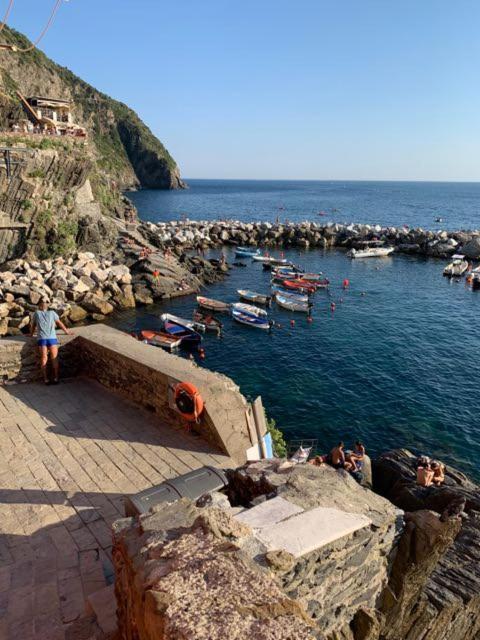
x=7, y=13
x=56, y=7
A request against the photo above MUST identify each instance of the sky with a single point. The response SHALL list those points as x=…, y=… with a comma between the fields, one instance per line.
x=283, y=89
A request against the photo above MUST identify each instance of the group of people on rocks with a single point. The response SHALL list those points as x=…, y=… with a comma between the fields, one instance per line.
x=338, y=458
x=430, y=472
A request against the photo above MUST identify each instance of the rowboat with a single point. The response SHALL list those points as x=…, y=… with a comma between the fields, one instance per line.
x=269, y=259
x=457, y=267
x=187, y=337
x=249, y=308
x=158, y=339
x=301, y=285
x=251, y=296
x=211, y=323
x=188, y=324
x=213, y=305
x=292, y=305
x=251, y=319
x=300, y=297
x=244, y=252
x=371, y=252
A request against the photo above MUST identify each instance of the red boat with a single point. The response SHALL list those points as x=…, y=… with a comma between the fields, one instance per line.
x=302, y=285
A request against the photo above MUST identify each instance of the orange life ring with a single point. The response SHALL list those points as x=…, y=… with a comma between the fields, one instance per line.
x=188, y=401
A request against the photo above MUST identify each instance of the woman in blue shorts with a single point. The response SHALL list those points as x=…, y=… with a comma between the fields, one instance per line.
x=44, y=322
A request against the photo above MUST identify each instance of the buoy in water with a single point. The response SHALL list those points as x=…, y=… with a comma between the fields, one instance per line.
x=201, y=353
x=292, y=323
x=309, y=319
x=332, y=306
x=346, y=283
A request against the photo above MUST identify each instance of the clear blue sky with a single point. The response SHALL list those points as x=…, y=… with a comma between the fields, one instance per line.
x=312, y=89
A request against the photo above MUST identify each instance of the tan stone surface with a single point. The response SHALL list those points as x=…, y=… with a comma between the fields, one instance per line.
x=68, y=454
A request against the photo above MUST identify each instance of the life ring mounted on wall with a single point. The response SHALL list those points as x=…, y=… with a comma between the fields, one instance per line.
x=188, y=401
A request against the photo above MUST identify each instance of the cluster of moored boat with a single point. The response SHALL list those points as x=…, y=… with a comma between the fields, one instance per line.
x=459, y=266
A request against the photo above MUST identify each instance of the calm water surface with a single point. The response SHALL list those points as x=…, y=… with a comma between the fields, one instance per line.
x=398, y=366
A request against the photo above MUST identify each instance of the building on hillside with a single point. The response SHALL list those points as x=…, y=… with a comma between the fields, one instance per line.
x=51, y=115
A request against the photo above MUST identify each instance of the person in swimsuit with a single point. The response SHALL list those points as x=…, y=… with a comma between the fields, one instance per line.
x=44, y=321
x=337, y=457
x=438, y=469
x=357, y=455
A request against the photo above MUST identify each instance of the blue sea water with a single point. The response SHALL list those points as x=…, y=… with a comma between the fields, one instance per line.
x=396, y=364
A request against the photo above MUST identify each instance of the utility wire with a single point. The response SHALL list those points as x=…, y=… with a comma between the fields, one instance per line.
x=56, y=7
x=7, y=13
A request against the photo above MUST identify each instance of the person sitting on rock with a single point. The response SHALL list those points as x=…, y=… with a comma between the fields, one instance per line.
x=338, y=460
x=357, y=455
x=438, y=472
x=424, y=474
x=44, y=321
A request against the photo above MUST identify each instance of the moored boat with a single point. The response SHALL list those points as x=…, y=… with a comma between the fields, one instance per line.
x=296, y=295
x=188, y=337
x=157, y=339
x=251, y=319
x=249, y=308
x=189, y=324
x=244, y=252
x=270, y=259
x=371, y=252
x=252, y=296
x=301, y=285
x=291, y=304
x=211, y=323
x=212, y=305
x=457, y=267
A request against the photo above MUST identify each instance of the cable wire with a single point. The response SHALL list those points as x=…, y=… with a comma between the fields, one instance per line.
x=56, y=7
x=7, y=13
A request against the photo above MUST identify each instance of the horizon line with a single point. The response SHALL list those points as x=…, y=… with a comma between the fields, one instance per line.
x=402, y=180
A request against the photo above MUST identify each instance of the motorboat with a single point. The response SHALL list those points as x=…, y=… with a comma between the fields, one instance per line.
x=211, y=323
x=245, y=252
x=289, y=303
x=157, y=339
x=189, y=324
x=251, y=319
x=252, y=296
x=457, y=267
x=270, y=259
x=188, y=337
x=249, y=308
x=212, y=305
x=300, y=285
x=295, y=295
x=371, y=252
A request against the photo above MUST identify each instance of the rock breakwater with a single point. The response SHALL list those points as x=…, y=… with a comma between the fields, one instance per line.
x=206, y=234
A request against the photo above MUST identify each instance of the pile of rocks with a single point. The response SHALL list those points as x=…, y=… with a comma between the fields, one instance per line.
x=79, y=288
x=207, y=233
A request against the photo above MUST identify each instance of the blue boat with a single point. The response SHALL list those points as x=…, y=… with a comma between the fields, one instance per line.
x=299, y=297
x=251, y=319
x=243, y=252
x=188, y=337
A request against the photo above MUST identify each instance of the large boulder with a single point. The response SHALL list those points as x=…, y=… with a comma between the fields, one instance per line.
x=472, y=249
x=95, y=304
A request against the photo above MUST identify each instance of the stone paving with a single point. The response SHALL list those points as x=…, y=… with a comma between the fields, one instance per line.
x=68, y=455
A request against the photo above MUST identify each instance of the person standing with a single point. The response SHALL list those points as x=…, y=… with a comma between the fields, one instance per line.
x=44, y=322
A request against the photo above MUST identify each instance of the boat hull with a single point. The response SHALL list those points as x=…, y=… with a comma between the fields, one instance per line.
x=250, y=320
x=212, y=305
x=292, y=305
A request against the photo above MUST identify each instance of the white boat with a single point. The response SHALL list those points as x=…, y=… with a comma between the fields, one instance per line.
x=457, y=267
x=190, y=324
x=299, y=297
x=251, y=319
x=292, y=305
x=253, y=296
x=270, y=259
x=371, y=252
x=249, y=308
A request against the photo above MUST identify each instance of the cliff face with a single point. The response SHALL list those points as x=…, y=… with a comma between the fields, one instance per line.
x=124, y=147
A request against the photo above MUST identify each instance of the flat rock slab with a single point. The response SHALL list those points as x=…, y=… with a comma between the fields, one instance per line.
x=268, y=513
x=311, y=530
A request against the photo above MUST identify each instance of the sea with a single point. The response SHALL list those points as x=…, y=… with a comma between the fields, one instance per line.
x=396, y=364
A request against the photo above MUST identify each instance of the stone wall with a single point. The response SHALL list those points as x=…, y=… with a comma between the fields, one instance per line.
x=144, y=375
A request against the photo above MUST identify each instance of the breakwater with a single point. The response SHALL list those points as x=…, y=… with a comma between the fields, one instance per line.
x=205, y=234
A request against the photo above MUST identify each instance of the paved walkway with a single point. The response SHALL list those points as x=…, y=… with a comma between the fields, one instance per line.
x=68, y=455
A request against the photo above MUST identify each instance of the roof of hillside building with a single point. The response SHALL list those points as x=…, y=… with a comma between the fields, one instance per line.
x=44, y=101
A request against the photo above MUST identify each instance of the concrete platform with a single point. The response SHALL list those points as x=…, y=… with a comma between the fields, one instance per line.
x=268, y=513
x=68, y=455
x=310, y=530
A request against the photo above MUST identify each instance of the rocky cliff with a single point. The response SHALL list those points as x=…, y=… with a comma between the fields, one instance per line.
x=124, y=147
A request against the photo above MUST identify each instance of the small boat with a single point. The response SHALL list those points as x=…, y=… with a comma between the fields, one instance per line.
x=212, y=305
x=300, y=297
x=301, y=285
x=293, y=305
x=270, y=260
x=249, y=308
x=158, y=339
x=313, y=278
x=211, y=323
x=244, y=252
x=457, y=267
x=252, y=296
x=251, y=319
x=189, y=324
x=187, y=337
x=371, y=252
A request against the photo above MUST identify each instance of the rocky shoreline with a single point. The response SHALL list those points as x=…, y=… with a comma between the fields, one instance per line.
x=206, y=234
